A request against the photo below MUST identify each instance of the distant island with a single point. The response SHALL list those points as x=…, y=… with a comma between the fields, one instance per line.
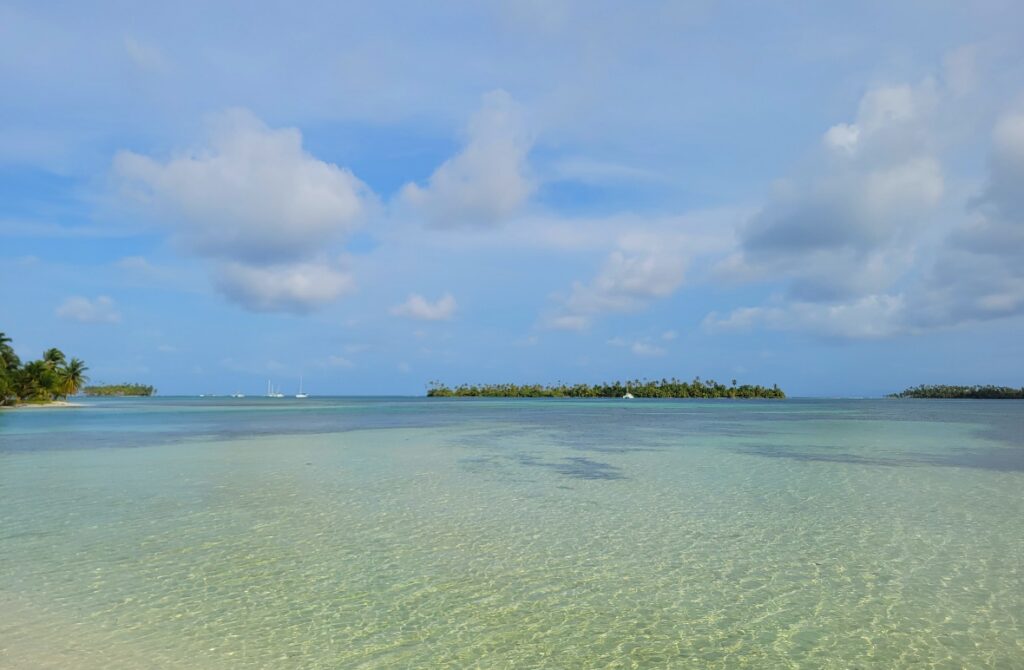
x=969, y=392
x=119, y=390
x=665, y=388
x=50, y=379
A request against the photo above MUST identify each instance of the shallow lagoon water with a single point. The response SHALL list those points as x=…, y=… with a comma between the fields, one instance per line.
x=327, y=533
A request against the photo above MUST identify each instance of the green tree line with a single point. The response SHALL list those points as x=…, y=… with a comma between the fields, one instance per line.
x=640, y=388
x=119, y=390
x=972, y=392
x=52, y=377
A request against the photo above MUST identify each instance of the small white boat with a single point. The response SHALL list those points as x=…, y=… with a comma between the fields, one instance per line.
x=628, y=396
x=300, y=394
x=271, y=393
x=237, y=395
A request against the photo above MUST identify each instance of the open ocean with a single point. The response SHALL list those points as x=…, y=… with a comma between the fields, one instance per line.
x=438, y=533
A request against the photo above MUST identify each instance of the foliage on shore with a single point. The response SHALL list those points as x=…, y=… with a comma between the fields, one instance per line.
x=119, y=390
x=52, y=377
x=971, y=392
x=640, y=388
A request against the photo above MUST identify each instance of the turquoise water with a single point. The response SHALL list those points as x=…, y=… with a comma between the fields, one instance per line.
x=416, y=533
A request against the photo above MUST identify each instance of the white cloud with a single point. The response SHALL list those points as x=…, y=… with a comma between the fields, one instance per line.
x=863, y=265
x=648, y=260
x=295, y=287
x=887, y=106
x=488, y=180
x=979, y=272
x=418, y=307
x=102, y=309
x=257, y=204
x=842, y=137
x=644, y=267
x=253, y=194
x=869, y=317
x=845, y=233
x=868, y=245
x=904, y=189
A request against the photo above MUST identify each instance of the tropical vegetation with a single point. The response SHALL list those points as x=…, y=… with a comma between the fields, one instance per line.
x=119, y=390
x=640, y=388
x=52, y=377
x=970, y=392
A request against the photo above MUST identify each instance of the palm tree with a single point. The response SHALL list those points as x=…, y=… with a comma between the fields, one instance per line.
x=53, y=358
x=34, y=381
x=8, y=359
x=72, y=377
x=6, y=387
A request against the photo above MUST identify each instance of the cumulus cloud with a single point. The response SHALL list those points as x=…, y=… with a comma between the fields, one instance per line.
x=488, y=180
x=101, y=309
x=418, y=307
x=626, y=280
x=841, y=237
x=979, y=273
x=252, y=194
x=850, y=228
x=258, y=205
x=856, y=245
x=294, y=287
x=643, y=267
x=649, y=262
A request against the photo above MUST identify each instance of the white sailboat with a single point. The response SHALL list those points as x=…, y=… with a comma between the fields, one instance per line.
x=628, y=396
x=271, y=393
x=300, y=394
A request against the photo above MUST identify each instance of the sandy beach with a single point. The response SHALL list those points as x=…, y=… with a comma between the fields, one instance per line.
x=44, y=405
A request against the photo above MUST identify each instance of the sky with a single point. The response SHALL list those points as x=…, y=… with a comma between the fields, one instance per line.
x=207, y=196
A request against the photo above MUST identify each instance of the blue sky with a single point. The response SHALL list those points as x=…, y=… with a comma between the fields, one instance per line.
x=821, y=196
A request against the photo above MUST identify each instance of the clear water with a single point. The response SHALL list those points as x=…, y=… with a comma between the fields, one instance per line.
x=416, y=533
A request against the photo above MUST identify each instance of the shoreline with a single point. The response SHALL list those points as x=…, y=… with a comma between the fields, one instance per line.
x=43, y=405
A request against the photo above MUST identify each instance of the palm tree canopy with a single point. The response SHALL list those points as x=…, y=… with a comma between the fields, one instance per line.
x=53, y=357
x=73, y=377
x=8, y=359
